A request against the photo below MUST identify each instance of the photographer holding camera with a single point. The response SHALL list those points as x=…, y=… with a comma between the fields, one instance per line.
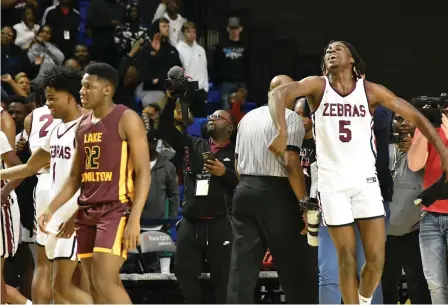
x=402, y=243
x=204, y=233
x=434, y=221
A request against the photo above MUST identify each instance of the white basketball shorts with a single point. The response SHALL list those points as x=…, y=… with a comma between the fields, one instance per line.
x=10, y=228
x=42, y=198
x=342, y=208
x=60, y=248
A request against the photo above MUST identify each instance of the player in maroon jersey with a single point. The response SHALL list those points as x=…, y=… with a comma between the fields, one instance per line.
x=111, y=166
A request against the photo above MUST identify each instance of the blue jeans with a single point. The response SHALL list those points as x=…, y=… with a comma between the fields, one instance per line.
x=433, y=247
x=329, y=292
x=227, y=88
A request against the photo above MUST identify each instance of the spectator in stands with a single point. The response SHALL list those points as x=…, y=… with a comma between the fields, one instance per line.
x=14, y=59
x=82, y=55
x=150, y=117
x=12, y=10
x=64, y=21
x=433, y=224
x=231, y=61
x=43, y=46
x=402, y=244
x=23, y=82
x=175, y=20
x=14, y=86
x=163, y=188
x=204, y=233
x=129, y=80
x=194, y=60
x=153, y=63
x=236, y=102
x=27, y=29
x=103, y=16
x=72, y=63
x=127, y=35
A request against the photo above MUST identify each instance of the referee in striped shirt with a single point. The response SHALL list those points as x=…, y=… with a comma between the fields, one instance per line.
x=266, y=212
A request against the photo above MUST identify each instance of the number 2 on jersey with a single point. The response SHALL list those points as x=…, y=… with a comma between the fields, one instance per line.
x=92, y=155
x=345, y=134
x=48, y=118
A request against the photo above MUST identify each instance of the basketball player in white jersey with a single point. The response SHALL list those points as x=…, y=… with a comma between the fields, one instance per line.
x=37, y=126
x=61, y=89
x=342, y=103
x=9, y=210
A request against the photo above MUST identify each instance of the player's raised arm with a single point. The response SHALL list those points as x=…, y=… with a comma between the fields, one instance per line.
x=283, y=97
x=381, y=95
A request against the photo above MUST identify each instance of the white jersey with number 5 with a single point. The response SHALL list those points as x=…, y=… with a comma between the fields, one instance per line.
x=42, y=122
x=345, y=144
x=61, y=146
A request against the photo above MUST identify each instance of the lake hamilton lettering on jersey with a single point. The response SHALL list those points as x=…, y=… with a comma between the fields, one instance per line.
x=95, y=137
x=60, y=152
x=344, y=110
x=93, y=154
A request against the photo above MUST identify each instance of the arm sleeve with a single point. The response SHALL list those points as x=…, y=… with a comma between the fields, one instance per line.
x=172, y=192
x=4, y=144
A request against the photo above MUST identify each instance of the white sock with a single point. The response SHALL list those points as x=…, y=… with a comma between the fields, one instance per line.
x=28, y=302
x=364, y=300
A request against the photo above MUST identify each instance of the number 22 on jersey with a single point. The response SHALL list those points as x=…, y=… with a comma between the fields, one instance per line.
x=92, y=156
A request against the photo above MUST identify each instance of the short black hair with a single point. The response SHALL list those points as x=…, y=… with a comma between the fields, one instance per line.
x=62, y=79
x=359, y=66
x=104, y=71
x=17, y=99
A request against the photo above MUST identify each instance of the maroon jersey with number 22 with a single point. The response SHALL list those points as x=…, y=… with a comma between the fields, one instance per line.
x=107, y=173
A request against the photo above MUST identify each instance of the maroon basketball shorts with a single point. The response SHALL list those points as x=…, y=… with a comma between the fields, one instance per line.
x=100, y=228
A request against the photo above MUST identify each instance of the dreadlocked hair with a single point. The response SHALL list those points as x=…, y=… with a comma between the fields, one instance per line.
x=359, y=66
x=62, y=79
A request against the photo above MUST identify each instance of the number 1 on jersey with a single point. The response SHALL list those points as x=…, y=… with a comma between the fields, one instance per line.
x=345, y=134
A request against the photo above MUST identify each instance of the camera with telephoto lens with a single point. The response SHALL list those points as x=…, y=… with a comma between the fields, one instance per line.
x=181, y=85
x=432, y=107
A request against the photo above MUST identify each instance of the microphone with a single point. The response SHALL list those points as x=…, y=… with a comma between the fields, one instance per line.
x=176, y=73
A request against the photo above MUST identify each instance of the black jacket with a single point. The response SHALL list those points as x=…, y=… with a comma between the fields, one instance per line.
x=60, y=23
x=153, y=65
x=219, y=200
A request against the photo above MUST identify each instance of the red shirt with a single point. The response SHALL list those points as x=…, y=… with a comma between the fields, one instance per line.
x=433, y=172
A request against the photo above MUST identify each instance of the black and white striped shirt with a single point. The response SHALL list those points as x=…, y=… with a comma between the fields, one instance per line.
x=255, y=131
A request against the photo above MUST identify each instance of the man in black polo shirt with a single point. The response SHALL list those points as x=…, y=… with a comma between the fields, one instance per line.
x=204, y=233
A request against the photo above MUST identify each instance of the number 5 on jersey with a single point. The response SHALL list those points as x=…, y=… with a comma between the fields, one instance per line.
x=345, y=134
x=92, y=155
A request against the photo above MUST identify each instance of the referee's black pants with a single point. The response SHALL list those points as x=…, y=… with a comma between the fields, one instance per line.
x=266, y=213
x=198, y=242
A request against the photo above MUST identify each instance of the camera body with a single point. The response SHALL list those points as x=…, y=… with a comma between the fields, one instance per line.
x=396, y=138
x=432, y=107
x=181, y=85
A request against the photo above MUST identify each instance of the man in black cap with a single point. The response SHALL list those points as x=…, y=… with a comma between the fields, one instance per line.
x=231, y=62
